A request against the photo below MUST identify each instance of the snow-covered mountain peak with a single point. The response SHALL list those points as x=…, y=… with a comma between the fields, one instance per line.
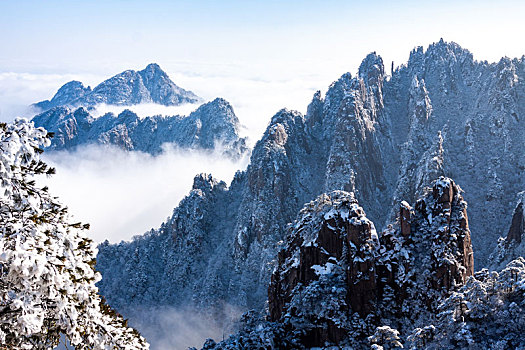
x=372, y=69
x=150, y=85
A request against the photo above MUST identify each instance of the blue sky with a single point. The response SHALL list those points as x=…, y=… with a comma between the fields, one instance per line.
x=108, y=36
x=259, y=55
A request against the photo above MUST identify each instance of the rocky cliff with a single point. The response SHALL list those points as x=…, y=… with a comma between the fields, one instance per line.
x=339, y=283
x=212, y=124
x=150, y=85
x=335, y=266
x=382, y=138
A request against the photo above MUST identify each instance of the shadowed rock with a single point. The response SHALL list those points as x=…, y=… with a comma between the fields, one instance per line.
x=516, y=227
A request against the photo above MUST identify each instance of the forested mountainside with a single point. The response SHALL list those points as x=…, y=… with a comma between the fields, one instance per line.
x=340, y=283
x=212, y=124
x=381, y=137
x=150, y=85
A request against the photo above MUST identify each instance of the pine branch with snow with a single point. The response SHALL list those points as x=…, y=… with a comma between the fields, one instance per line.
x=47, y=275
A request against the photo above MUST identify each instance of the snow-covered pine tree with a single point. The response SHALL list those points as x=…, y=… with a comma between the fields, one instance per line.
x=47, y=275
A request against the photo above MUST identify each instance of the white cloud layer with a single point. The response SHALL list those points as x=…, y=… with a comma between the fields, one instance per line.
x=19, y=90
x=122, y=194
x=167, y=328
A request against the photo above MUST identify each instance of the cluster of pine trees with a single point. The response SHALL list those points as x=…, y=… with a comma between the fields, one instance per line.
x=47, y=275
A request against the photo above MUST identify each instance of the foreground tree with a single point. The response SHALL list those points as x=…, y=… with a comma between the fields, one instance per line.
x=47, y=275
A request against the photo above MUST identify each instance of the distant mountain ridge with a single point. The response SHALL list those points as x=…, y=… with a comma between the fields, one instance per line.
x=212, y=124
x=69, y=116
x=150, y=85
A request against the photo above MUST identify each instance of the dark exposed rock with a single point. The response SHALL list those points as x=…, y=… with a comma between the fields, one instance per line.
x=337, y=282
x=331, y=236
x=404, y=217
x=438, y=237
x=333, y=232
x=361, y=272
x=453, y=258
x=513, y=245
x=516, y=227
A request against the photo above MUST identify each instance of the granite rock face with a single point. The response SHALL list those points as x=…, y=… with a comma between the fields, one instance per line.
x=335, y=266
x=331, y=238
x=515, y=234
x=382, y=138
x=150, y=85
x=212, y=124
x=338, y=282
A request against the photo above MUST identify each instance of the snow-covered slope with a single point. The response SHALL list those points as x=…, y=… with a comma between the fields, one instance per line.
x=130, y=87
x=513, y=244
x=479, y=110
x=383, y=138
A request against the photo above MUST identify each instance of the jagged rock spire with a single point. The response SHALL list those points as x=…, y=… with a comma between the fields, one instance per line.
x=332, y=238
x=372, y=73
x=372, y=70
x=513, y=245
x=333, y=256
x=419, y=103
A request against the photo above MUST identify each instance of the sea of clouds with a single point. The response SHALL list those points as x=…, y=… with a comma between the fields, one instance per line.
x=122, y=194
